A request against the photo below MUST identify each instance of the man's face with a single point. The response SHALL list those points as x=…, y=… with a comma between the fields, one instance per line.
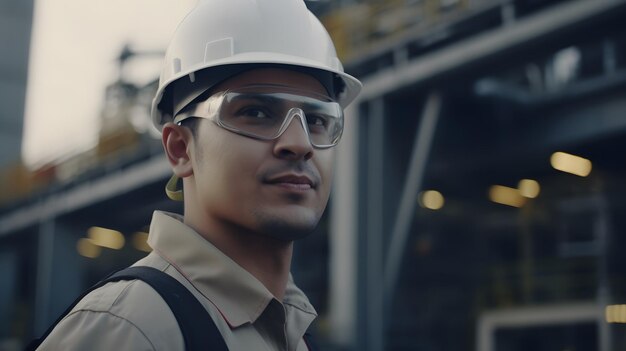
x=278, y=188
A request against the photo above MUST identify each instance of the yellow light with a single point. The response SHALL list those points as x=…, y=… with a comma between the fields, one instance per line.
x=608, y=314
x=528, y=188
x=506, y=196
x=431, y=199
x=104, y=237
x=140, y=242
x=615, y=314
x=86, y=248
x=571, y=164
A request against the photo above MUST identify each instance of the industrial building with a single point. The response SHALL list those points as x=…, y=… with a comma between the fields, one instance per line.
x=479, y=197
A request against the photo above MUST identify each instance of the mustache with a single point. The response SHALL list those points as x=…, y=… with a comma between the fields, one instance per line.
x=299, y=167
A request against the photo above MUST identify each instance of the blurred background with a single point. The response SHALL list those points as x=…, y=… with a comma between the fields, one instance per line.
x=480, y=192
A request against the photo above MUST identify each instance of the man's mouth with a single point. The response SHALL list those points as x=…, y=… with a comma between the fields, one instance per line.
x=293, y=181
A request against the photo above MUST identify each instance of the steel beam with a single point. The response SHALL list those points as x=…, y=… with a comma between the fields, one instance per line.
x=482, y=46
x=373, y=258
x=343, y=235
x=45, y=259
x=533, y=316
x=417, y=168
x=86, y=194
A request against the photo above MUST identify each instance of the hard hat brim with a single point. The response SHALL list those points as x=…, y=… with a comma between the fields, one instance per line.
x=350, y=92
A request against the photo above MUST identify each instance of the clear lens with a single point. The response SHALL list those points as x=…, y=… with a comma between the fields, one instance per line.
x=264, y=112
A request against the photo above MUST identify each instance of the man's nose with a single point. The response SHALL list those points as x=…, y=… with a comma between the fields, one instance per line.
x=294, y=142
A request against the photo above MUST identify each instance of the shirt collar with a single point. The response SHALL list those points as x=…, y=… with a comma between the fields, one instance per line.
x=237, y=294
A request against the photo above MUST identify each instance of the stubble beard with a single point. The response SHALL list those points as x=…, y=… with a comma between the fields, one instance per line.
x=282, y=229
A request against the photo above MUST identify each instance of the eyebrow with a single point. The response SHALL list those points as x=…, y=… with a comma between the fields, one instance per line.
x=262, y=98
x=252, y=85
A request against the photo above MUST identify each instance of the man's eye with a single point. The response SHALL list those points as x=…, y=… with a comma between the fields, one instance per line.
x=254, y=113
x=316, y=121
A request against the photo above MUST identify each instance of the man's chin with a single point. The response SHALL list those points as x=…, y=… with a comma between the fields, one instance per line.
x=288, y=229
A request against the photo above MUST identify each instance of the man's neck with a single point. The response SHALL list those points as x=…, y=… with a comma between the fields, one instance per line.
x=266, y=258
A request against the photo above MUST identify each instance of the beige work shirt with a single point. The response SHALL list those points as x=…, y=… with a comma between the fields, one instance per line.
x=130, y=315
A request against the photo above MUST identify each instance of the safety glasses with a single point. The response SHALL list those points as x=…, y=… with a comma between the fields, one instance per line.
x=264, y=112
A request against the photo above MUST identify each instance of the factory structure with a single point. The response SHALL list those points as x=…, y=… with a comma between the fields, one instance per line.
x=480, y=187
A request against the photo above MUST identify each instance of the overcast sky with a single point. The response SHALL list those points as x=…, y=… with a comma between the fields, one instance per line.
x=73, y=54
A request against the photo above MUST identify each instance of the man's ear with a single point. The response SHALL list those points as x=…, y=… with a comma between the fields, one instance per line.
x=176, y=142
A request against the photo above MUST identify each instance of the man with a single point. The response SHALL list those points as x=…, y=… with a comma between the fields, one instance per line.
x=250, y=105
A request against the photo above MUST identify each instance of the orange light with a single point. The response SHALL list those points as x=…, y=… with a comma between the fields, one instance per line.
x=529, y=188
x=568, y=163
x=431, y=199
x=104, y=237
x=615, y=314
x=506, y=196
x=87, y=248
x=140, y=242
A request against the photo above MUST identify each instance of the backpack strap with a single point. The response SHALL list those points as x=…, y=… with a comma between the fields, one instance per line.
x=309, y=340
x=196, y=325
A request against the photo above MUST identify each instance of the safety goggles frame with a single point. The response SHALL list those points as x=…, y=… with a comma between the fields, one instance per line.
x=211, y=109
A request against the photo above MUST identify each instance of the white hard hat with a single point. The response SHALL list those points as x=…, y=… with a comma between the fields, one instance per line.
x=218, y=38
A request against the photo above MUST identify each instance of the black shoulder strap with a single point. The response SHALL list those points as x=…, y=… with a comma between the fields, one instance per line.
x=309, y=340
x=195, y=323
